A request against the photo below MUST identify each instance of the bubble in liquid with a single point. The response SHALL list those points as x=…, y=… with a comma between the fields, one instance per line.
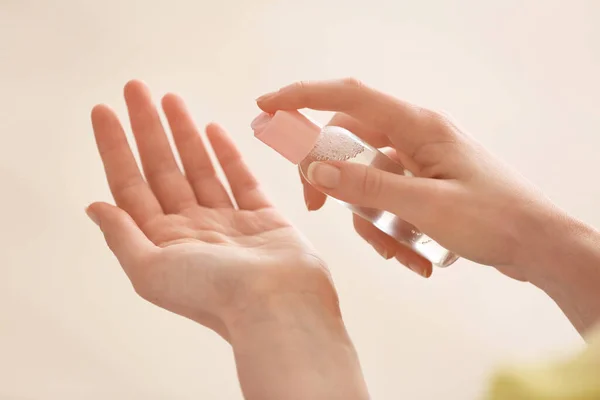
x=336, y=144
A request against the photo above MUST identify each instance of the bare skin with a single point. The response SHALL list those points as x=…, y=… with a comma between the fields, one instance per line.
x=236, y=266
x=462, y=196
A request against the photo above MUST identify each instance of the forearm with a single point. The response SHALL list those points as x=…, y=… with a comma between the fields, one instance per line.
x=296, y=349
x=565, y=255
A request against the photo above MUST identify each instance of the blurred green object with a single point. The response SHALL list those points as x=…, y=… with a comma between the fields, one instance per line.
x=576, y=379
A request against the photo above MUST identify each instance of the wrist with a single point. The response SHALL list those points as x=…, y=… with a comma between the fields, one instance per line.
x=281, y=292
x=550, y=239
x=562, y=257
x=295, y=345
x=274, y=312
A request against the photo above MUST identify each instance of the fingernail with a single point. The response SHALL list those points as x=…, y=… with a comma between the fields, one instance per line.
x=310, y=206
x=421, y=271
x=324, y=175
x=265, y=96
x=381, y=249
x=92, y=216
x=306, y=198
x=307, y=202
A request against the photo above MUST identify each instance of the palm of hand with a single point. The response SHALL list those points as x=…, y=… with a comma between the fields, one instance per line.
x=180, y=239
x=218, y=227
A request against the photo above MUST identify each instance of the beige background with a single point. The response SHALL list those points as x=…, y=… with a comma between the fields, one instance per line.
x=521, y=76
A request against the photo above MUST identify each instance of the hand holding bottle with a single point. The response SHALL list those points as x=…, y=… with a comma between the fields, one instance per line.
x=460, y=195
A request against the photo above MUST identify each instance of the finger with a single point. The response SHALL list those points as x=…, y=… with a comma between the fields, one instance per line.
x=412, y=199
x=388, y=247
x=128, y=187
x=244, y=185
x=403, y=159
x=416, y=263
x=369, y=135
x=123, y=236
x=171, y=188
x=376, y=139
x=196, y=161
x=313, y=199
x=409, y=127
x=383, y=244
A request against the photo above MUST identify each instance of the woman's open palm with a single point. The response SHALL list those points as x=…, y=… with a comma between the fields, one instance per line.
x=186, y=245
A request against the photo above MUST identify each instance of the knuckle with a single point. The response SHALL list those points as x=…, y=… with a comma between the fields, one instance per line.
x=428, y=114
x=300, y=90
x=371, y=183
x=300, y=85
x=353, y=94
x=438, y=122
x=446, y=115
x=440, y=119
x=352, y=82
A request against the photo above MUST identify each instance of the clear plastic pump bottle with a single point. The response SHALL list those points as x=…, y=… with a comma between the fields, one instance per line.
x=302, y=142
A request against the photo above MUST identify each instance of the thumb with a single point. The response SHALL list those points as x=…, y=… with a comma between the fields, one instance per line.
x=407, y=197
x=125, y=239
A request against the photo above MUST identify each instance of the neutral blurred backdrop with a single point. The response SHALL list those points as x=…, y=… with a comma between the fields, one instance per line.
x=520, y=76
